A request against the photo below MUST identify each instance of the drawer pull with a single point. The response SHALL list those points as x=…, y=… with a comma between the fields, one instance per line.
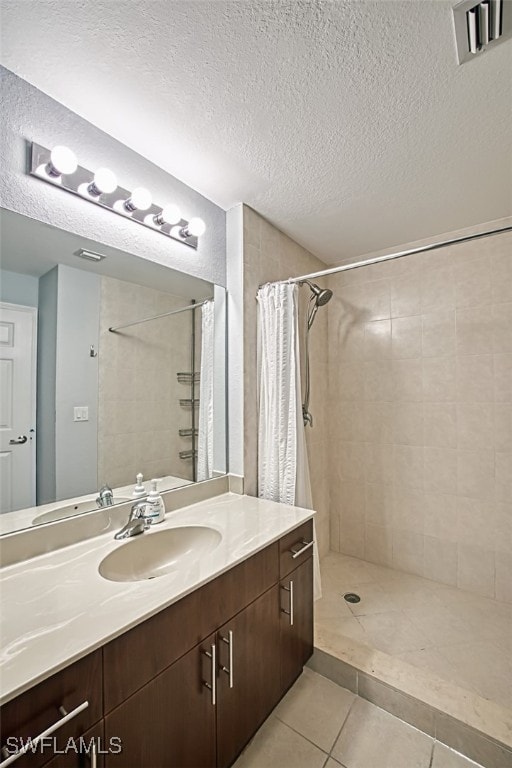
x=213, y=685
x=93, y=757
x=298, y=552
x=67, y=716
x=229, y=641
x=290, y=612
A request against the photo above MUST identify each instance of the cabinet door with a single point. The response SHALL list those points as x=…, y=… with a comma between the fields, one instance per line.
x=170, y=722
x=296, y=610
x=87, y=751
x=249, y=685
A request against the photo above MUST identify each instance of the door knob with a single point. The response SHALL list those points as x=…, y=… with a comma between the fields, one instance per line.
x=19, y=440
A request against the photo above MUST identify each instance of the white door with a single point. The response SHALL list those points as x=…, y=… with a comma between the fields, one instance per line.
x=18, y=337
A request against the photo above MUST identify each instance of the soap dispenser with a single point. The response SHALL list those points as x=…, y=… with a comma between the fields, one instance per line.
x=156, y=512
x=139, y=489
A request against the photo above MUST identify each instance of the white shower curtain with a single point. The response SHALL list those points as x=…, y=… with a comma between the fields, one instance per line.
x=205, y=425
x=283, y=469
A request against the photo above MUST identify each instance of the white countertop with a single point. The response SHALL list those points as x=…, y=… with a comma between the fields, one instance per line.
x=56, y=608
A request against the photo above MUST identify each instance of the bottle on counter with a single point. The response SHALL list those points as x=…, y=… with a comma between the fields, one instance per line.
x=139, y=489
x=156, y=512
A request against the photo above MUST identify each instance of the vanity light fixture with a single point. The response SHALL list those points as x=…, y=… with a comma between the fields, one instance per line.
x=104, y=183
x=59, y=167
x=170, y=214
x=62, y=162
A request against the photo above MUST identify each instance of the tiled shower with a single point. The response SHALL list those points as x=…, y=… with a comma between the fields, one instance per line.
x=420, y=415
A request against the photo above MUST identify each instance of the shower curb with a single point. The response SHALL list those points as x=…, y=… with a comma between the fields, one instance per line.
x=465, y=734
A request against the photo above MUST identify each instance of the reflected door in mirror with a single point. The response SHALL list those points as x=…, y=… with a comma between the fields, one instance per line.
x=18, y=328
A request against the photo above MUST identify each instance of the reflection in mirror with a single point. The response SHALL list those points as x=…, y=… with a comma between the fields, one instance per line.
x=109, y=369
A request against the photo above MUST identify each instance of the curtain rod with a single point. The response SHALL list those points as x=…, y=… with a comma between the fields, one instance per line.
x=397, y=255
x=156, y=317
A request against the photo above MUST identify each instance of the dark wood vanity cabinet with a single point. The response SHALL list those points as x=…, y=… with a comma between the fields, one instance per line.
x=188, y=687
x=45, y=705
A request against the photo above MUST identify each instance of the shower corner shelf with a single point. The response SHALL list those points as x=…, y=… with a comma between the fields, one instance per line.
x=187, y=378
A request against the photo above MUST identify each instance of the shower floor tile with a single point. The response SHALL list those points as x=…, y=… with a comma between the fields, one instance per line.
x=465, y=639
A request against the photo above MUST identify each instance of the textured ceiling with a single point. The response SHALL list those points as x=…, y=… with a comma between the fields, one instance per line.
x=347, y=124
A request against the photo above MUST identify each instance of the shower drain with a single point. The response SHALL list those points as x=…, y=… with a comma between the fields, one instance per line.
x=351, y=597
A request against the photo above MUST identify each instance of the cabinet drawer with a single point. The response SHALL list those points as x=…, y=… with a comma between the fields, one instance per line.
x=135, y=658
x=33, y=712
x=290, y=546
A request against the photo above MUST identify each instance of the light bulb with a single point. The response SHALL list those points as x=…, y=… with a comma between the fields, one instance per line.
x=62, y=161
x=105, y=182
x=170, y=214
x=196, y=227
x=140, y=199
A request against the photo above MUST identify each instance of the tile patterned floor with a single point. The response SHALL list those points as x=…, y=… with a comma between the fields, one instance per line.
x=463, y=638
x=320, y=725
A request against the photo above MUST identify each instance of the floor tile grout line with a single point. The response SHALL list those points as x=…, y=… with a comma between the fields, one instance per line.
x=302, y=735
x=343, y=724
x=432, y=753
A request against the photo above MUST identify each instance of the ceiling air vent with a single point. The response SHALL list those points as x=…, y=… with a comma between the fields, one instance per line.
x=480, y=26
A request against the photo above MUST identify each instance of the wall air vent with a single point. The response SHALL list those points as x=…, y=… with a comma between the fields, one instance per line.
x=480, y=26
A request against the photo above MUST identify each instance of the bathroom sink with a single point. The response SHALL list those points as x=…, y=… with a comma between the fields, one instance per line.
x=156, y=553
x=73, y=509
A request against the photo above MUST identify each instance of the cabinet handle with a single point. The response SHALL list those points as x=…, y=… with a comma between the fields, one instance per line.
x=298, y=552
x=93, y=757
x=29, y=745
x=229, y=641
x=213, y=685
x=290, y=612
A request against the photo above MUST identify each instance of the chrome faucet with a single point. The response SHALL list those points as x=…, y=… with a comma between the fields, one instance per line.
x=105, y=497
x=139, y=521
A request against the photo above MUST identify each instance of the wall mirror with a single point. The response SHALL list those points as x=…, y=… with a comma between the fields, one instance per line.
x=82, y=406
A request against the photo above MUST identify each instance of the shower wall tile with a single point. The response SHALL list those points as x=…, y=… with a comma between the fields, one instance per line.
x=438, y=334
x=439, y=379
x=441, y=559
x=407, y=380
x=440, y=424
x=405, y=296
x=472, y=282
x=475, y=378
x=475, y=330
x=377, y=340
x=476, y=570
x=501, y=275
x=433, y=386
x=406, y=337
x=503, y=378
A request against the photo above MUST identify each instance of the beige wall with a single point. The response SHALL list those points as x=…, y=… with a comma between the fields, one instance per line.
x=139, y=411
x=420, y=414
x=270, y=255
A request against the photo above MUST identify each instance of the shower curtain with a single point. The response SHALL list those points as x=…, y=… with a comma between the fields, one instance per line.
x=205, y=421
x=283, y=470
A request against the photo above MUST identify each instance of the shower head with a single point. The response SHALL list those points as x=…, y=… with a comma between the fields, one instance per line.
x=322, y=295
